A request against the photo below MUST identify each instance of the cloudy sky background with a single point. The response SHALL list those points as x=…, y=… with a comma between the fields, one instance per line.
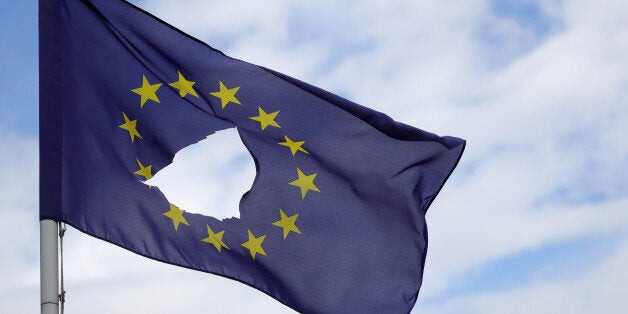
x=535, y=218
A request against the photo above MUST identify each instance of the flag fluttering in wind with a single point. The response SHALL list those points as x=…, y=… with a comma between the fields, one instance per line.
x=334, y=221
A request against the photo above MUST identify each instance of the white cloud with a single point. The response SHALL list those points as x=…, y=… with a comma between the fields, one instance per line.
x=600, y=290
x=548, y=121
x=209, y=177
x=463, y=239
x=254, y=31
x=19, y=259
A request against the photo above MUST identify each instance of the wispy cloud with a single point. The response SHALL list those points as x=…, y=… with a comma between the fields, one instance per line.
x=599, y=289
x=19, y=262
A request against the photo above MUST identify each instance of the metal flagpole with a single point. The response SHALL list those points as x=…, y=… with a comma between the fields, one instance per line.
x=49, y=266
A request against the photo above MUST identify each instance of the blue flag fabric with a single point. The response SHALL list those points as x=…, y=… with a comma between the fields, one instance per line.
x=334, y=221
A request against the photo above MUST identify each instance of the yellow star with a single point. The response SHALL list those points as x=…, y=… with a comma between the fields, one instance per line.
x=144, y=171
x=176, y=215
x=254, y=244
x=287, y=223
x=147, y=91
x=215, y=239
x=184, y=86
x=294, y=146
x=227, y=95
x=305, y=182
x=131, y=126
x=266, y=119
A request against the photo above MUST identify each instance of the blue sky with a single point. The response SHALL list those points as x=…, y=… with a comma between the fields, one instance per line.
x=536, y=214
x=19, y=66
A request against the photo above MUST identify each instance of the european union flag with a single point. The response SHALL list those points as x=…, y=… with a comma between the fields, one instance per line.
x=334, y=221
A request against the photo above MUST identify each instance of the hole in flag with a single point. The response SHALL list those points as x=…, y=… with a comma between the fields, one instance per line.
x=209, y=177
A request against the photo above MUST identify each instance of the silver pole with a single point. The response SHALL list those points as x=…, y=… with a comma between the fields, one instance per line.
x=49, y=266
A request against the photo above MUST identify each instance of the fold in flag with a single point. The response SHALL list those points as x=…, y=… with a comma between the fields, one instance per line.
x=335, y=219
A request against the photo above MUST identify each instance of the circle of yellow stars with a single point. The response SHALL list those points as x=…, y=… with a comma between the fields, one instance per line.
x=147, y=93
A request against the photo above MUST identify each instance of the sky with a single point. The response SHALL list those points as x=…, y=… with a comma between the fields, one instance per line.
x=534, y=219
